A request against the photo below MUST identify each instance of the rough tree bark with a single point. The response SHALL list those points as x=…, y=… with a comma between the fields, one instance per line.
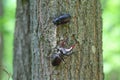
x=36, y=36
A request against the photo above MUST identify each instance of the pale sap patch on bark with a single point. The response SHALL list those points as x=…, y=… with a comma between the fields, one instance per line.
x=52, y=37
x=93, y=49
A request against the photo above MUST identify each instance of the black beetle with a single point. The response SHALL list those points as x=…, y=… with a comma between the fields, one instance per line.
x=57, y=58
x=62, y=19
x=56, y=61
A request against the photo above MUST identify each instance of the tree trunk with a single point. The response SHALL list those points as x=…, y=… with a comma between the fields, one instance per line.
x=36, y=37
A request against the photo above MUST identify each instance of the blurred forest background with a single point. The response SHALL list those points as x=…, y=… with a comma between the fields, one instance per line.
x=111, y=37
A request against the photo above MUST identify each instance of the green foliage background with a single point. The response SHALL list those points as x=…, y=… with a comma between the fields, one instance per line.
x=111, y=37
x=7, y=23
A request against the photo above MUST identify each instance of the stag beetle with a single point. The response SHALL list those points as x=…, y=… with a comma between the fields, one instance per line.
x=62, y=19
x=57, y=58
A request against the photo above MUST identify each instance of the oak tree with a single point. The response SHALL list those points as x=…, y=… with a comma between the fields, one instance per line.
x=36, y=38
